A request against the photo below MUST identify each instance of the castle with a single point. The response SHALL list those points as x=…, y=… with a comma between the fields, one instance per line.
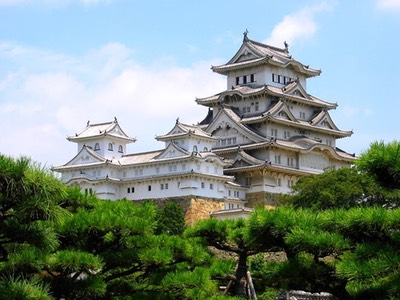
x=259, y=137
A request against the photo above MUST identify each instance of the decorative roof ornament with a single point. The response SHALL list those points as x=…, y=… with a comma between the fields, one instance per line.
x=245, y=38
x=177, y=121
x=286, y=46
x=115, y=120
x=88, y=123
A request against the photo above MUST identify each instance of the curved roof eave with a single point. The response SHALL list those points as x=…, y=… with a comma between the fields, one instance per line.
x=271, y=167
x=266, y=117
x=225, y=69
x=78, y=138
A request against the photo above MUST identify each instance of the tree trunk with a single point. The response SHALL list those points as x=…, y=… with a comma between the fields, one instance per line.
x=239, y=287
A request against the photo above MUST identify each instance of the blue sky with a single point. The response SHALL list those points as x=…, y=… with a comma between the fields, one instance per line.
x=64, y=62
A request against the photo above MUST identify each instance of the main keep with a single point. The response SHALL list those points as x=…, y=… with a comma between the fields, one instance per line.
x=259, y=137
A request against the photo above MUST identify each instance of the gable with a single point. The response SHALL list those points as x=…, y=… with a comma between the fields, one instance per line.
x=240, y=163
x=324, y=120
x=84, y=157
x=299, y=93
x=227, y=125
x=177, y=129
x=172, y=151
x=281, y=111
x=294, y=88
x=244, y=55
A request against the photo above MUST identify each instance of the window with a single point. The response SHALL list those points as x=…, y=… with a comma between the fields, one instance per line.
x=183, y=167
x=172, y=168
x=256, y=107
x=278, y=159
x=248, y=181
x=195, y=149
x=302, y=115
x=290, y=161
x=166, y=186
x=274, y=132
x=138, y=172
x=229, y=193
x=281, y=79
x=237, y=80
x=129, y=190
x=157, y=170
x=287, y=134
x=290, y=183
x=162, y=186
x=245, y=79
x=211, y=186
x=120, y=149
x=97, y=146
x=202, y=185
x=110, y=147
x=149, y=188
x=133, y=189
x=278, y=182
x=251, y=77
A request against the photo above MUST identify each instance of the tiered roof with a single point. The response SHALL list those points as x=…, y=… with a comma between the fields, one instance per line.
x=94, y=131
x=253, y=53
x=292, y=91
x=181, y=130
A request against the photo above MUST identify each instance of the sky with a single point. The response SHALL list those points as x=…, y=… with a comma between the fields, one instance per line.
x=65, y=62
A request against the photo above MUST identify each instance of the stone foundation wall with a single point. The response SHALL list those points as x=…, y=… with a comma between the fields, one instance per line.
x=194, y=208
x=267, y=200
x=200, y=209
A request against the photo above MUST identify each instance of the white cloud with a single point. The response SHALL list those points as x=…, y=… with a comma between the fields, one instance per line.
x=298, y=25
x=389, y=5
x=48, y=96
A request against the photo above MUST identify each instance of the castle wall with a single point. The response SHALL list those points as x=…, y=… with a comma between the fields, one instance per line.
x=195, y=209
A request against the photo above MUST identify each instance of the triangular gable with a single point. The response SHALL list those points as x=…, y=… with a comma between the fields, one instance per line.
x=245, y=53
x=226, y=120
x=324, y=120
x=281, y=111
x=181, y=129
x=116, y=130
x=85, y=156
x=242, y=159
x=101, y=129
x=177, y=129
x=296, y=89
x=171, y=151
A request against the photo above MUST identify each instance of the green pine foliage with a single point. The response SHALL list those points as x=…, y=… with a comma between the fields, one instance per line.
x=382, y=161
x=56, y=242
x=27, y=289
x=170, y=219
x=342, y=188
